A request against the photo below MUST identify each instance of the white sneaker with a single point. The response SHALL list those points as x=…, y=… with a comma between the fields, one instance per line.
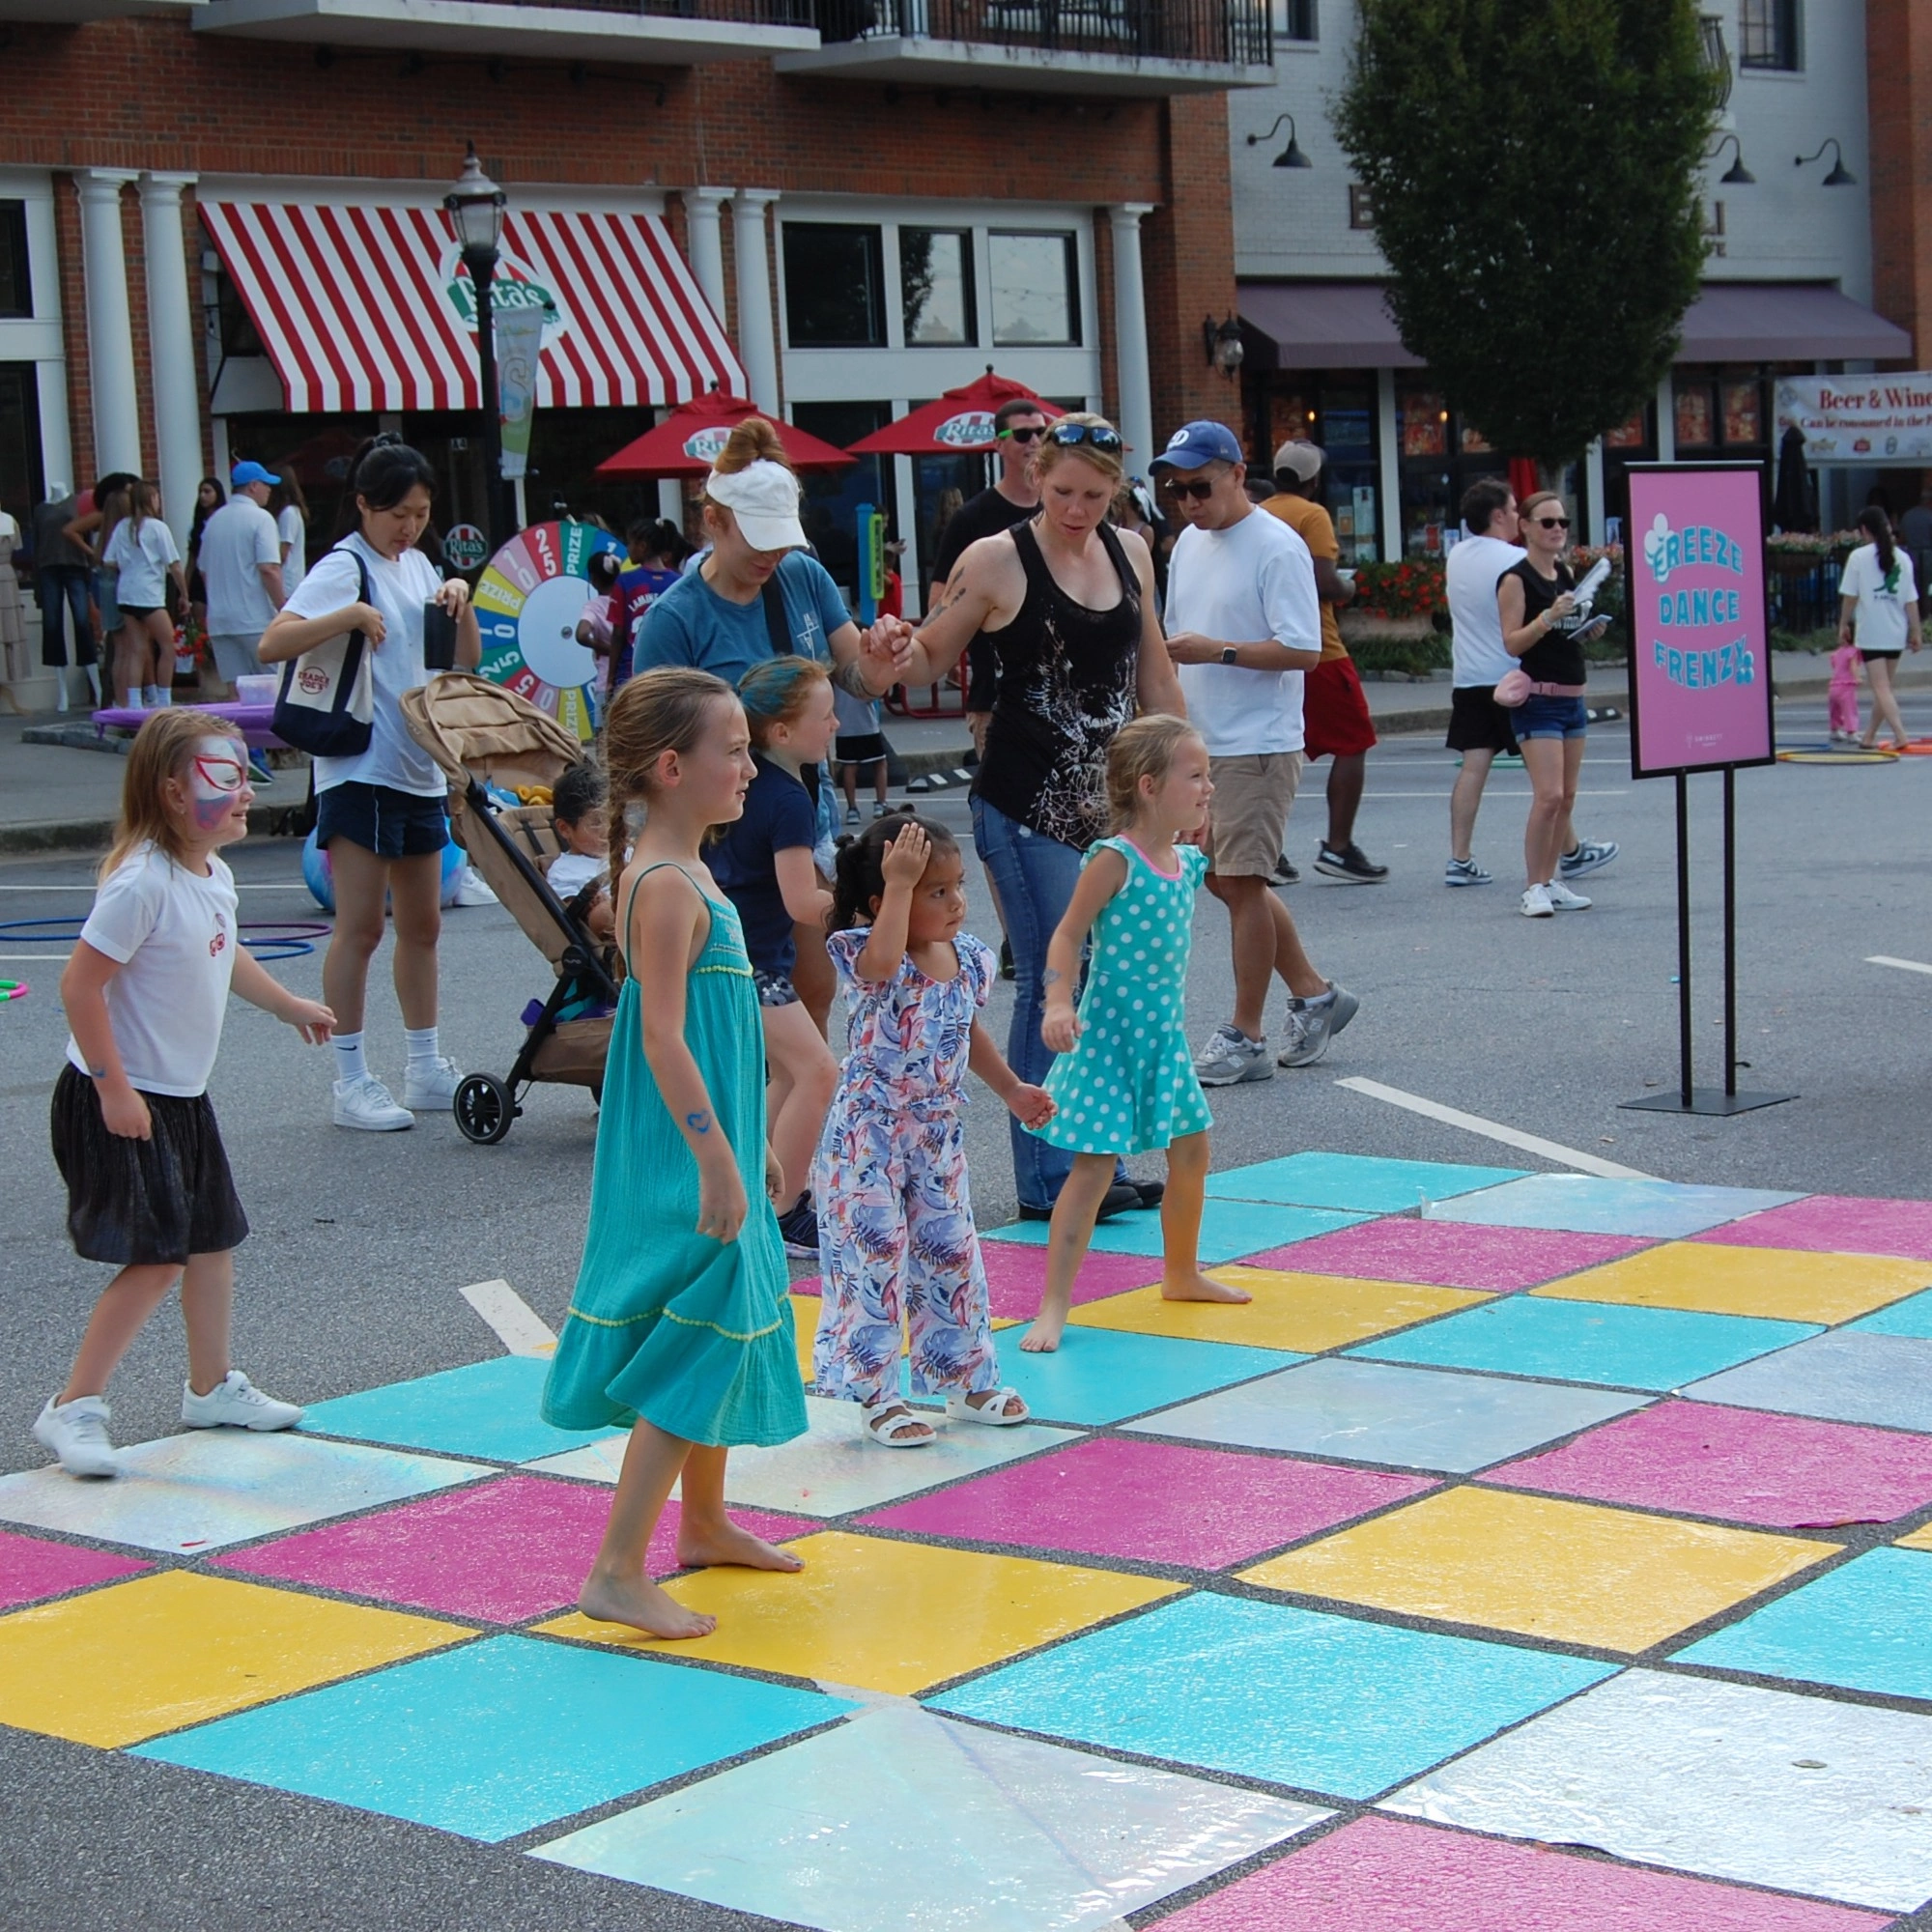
x=1564, y=900
x=1537, y=903
x=430, y=1085
x=236, y=1403
x=76, y=1432
x=368, y=1104
x=471, y=890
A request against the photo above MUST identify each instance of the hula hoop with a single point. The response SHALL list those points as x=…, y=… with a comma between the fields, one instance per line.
x=1916, y=748
x=1807, y=755
x=14, y=989
x=268, y=940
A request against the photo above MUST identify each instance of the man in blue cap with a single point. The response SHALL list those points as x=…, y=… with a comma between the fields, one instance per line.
x=241, y=562
x=1245, y=625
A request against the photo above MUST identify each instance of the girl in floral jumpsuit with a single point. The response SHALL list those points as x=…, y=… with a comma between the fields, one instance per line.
x=895, y=1234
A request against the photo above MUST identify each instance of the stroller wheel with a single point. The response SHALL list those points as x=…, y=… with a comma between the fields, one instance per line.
x=483, y=1109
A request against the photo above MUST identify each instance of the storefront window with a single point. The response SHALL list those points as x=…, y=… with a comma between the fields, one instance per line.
x=1696, y=419
x=16, y=285
x=1035, y=287
x=317, y=449
x=1422, y=423
x=22, y=483
x=834, y=285
x=1633, y=435
x=832, y=496
x=1744, y=417
x=936, y=287
x=1722, y=408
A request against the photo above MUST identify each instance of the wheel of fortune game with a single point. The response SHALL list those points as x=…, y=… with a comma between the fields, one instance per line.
x=527, y=604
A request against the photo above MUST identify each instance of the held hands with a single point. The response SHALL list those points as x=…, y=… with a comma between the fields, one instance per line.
x=1030, y=1106
x=722, y=1205
x=887, y=645
x=903, y=861
x=311, y=1019
x=1061, y=1027
x=124, y=1113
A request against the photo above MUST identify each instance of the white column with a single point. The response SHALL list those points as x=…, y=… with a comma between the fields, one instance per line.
x=171, y=351
x=757, y=338
x=1593, y=483
x=670, y=501
x=110, y=332
x=706, y=237
x=1667, y=424
x=1130, y=334
x=1388, y=450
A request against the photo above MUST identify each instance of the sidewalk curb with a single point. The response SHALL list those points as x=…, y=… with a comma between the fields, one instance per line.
x=273, y=820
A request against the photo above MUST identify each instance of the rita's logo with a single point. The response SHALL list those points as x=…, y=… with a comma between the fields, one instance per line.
x=970, y=429
x=313, y=681
x=514, y=286
x=704, y=445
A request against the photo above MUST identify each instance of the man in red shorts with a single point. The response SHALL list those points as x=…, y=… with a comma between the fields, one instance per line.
x=1335, y=714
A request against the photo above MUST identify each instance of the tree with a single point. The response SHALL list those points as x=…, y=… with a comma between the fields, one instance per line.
x=1533, y=167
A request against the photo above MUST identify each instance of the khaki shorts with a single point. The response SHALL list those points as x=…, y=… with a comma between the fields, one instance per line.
x=1248, y=816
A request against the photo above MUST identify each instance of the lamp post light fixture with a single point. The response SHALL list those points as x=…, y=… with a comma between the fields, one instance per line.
x=1290, y=156
x=1840, y=175
x=1737, y=175
x=475, y=205
x=1222, y=340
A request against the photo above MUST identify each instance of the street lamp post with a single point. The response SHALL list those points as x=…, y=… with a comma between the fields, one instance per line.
x=475, y=205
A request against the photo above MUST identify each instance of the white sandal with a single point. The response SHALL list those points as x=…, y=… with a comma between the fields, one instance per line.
x=886, y=1422
x=992, y=1414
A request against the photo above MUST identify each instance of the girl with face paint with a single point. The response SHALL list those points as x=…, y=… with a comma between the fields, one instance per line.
x=149, y=1187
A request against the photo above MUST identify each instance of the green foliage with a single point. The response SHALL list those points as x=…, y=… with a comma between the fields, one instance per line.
x=1533, y=166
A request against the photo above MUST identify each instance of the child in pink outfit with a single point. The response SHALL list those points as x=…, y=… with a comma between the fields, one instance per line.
x=1844, y=693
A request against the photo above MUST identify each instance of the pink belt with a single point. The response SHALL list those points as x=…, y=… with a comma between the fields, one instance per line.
x=1557, y=690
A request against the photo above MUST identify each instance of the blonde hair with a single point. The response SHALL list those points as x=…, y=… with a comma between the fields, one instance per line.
x=1046, y=452
x=1144, y=748
x=162, y=750
x=657, y=711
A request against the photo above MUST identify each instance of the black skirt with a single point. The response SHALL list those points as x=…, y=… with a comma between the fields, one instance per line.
x=137, y=1203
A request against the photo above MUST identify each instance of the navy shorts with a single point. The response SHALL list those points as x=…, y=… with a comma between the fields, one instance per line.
x=392, y=824
x=1551, y=718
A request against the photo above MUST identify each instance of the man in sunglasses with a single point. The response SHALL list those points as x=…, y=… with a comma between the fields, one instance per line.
x=1245, y=629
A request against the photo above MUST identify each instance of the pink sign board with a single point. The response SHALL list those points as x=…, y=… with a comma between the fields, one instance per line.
x=1700, y=657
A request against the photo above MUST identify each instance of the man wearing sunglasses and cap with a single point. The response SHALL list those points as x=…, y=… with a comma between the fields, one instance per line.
x=1245, y=629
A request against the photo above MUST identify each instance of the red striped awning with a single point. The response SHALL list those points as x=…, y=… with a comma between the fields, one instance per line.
x=371, y=308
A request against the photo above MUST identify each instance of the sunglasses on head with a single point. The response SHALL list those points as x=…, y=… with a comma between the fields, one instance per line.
x=1030, y=432
x=1096, y=435
x=1551, y=523
x=1199, y=487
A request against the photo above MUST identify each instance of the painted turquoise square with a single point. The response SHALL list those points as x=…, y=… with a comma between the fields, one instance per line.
x=1587, y=1205
x=1621, y=1346
x=1298, y=1698
x=498, y=1737
x=1355, y=1181
x=487, y=1409
x=1229, y=1230
x=1096, y=1376
x=1912, y=1318
x=1861, y=1627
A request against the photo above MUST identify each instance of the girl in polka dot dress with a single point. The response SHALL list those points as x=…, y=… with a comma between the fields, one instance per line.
x=1124, y=1080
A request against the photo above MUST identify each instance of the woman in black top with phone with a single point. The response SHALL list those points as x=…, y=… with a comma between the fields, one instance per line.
x=1541, y=630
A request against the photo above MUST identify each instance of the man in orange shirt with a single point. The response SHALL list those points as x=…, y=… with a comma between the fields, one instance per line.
x=1335, y=713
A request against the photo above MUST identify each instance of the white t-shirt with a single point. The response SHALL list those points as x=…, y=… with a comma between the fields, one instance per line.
x=399, y=588
x=174, y=937
x=1879, y=622
x=142, y=558
x=235, y=543
x=293, y=536
x=1474, y=567
x=1252, y=580
x=571, y=871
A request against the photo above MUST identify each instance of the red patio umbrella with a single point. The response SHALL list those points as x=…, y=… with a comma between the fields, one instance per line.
x=961, y=420
x=686, y=442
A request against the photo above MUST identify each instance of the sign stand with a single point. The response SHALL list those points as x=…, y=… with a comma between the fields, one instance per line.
x=1700, y=698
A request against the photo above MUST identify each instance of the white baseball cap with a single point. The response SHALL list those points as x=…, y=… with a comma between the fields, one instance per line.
x=763, y=497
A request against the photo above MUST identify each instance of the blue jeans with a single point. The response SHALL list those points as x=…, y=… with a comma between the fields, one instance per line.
x=58, y=584
x=1551, y=718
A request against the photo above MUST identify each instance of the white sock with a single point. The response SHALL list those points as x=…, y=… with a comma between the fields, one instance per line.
x=422, y=1045
x=350, y=1063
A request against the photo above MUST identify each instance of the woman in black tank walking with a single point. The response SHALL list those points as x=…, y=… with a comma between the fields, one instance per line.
x=1067, y=604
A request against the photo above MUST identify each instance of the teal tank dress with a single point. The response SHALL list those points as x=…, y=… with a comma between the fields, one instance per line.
x=1129, y=1085
x=692, y=1334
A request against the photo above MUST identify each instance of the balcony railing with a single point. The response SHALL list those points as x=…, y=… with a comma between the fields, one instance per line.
x=742, y=12
x=1219, y=32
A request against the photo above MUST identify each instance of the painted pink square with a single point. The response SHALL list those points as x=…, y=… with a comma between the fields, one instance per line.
x=1780, y=1471
x=1016, y=1275
x=1385, y=1875
x=30, y=1567
x=1838, y=1224
x=502, y=1552
x=1151, y=1502
x=1450, y=1254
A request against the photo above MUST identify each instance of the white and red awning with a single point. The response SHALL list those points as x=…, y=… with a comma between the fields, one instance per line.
x=367, y=308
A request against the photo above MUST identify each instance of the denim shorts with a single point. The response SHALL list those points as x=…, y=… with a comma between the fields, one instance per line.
x=1551, y=718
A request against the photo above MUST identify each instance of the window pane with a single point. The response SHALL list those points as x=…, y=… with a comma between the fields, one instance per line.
x=936, y=287
x=1294, y=20
x=834, y=285
x=1744, y=410
x=17, y=289
x=1035, y=287
x=1423, y=421
x=1767, y=34
x=1695, y=424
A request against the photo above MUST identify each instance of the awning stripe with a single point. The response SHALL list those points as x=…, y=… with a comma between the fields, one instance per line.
x=351, y=303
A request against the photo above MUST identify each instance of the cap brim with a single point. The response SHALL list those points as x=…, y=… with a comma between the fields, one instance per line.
x=770, y=532
x=1183, y=459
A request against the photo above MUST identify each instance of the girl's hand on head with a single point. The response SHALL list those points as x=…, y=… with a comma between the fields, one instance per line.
x=125, y=1114
x=1030, y=1106
x=1060, y=1029
x=310, y=1018
x=369, y=621
x=454, y=596
x=722, y=1204
x=903, y=862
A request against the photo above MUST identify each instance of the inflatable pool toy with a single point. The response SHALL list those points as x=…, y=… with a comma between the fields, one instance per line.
x=319, y=876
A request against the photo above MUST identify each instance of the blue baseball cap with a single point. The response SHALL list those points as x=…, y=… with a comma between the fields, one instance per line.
x=1197, y=443
x=250, y=472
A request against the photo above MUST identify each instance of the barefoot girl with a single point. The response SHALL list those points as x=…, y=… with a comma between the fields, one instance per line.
x=1124, y=1083
x=679, y=1324
x=148, y=1183
x=895, y=1222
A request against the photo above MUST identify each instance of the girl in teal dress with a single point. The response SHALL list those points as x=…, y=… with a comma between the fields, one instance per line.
x=679, y=1324
x=1123, y=1082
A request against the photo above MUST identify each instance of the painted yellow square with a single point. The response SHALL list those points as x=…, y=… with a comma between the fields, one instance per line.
x=1919, y=1539
x=884, y=1616
x=805, y=1328
x=1577, y=1573
x=128, y=1663
x=1306, y=1313
x=1777, y=1282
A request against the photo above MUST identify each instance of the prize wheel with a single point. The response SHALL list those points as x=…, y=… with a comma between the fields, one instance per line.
x=527, y=604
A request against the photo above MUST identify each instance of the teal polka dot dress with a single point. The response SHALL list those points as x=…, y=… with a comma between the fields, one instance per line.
x=1129, y=1085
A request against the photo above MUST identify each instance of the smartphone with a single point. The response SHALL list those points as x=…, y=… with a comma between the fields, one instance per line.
x=438, y=637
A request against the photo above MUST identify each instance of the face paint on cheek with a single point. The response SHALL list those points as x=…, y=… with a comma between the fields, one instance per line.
x=215, y=776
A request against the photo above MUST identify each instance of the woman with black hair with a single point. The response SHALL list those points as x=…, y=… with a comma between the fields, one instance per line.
x=1878, y=604
x=380, y=815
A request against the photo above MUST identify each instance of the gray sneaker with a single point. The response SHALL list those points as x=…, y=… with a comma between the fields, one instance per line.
x=1313, y=1023
x=1591, y=854
x=1466, y=872
x=1230, y=1057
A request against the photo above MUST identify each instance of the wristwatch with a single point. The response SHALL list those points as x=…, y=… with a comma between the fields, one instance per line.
x=1230, y=653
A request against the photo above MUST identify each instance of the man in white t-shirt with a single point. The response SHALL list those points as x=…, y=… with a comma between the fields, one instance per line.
x=1244, y=624
x=241, y=562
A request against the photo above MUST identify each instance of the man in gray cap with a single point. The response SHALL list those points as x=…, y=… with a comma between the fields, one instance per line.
x=240, y=558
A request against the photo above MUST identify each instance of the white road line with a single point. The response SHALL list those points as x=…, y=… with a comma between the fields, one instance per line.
x=1622, y=792
x=518, y=1325
x=1474, y=1123
x=1903, y=965
x=35, y=958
